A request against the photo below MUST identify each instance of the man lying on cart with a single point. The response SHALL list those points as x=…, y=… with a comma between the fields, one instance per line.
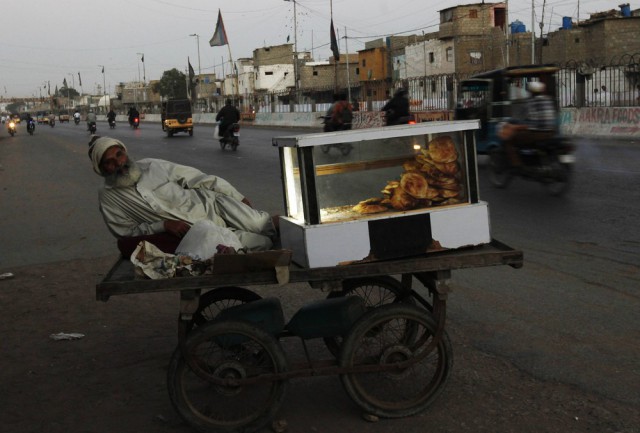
x=159, y=201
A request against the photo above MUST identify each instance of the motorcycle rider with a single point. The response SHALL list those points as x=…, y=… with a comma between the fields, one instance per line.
x=227, y=116
x=91, y=118
x=111, y=116
x=397, y=108
x=133, y=114
x=76, y=116
x=540, y=123
x=339, y=115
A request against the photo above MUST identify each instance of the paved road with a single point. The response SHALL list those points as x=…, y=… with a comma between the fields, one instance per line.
x=571, y=314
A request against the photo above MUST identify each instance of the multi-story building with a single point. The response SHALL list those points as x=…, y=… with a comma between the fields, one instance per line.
x=605, y=36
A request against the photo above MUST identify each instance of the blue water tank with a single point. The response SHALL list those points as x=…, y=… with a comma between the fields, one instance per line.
x=518, y=27
x=566, y=23
x=625, y=9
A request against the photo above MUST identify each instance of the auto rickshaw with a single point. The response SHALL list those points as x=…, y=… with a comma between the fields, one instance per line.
x=501, y=96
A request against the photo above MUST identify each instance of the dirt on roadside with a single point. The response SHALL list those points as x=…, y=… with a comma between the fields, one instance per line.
x=113, y=379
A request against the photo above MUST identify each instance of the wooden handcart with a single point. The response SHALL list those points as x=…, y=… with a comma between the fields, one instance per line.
x=229, y=371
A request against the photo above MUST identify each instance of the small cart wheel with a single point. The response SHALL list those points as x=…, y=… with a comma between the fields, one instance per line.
x=374, y=291
x=233, y=351
x=395, y=334
x=216, y=300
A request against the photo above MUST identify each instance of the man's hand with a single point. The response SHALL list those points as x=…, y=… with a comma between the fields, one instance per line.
x=247, y=202
x=176, y=228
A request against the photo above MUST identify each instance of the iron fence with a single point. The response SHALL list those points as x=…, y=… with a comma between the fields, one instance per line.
x=579, y=84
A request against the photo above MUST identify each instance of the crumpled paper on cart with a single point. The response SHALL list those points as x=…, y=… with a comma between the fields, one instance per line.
x=152, y=262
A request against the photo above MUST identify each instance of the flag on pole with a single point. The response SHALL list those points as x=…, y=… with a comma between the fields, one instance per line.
x=219, y=37
x=103, y=69
x=79, y=79
x=334, y=43
x=143, y=58
x=64, y=82
x=192, y=73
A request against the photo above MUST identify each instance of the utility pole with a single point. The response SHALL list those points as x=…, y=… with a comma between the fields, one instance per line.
x=295, y=46
x=533, y=34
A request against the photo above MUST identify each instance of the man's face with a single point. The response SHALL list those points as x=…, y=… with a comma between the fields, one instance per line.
x=117, y=168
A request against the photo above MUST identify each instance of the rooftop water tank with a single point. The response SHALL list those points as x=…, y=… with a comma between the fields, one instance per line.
x=625, y=9
x=518, y=27
x=566, y=23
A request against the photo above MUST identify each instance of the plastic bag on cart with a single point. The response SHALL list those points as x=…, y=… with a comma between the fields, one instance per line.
x=152, y=262
x=203, y=238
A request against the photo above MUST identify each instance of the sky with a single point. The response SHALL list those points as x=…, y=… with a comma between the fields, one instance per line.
x=45, y=42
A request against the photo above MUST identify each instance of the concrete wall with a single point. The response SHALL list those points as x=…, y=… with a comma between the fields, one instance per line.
x=618, y=122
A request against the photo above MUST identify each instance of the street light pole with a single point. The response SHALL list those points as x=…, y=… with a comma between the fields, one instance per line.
x=198, y=44
x=104, y=89
x=199, y=70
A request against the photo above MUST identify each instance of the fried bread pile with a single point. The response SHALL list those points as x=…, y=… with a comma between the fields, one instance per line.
x=431, y=179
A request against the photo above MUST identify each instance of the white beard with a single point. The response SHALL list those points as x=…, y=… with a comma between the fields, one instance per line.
x=125, y=179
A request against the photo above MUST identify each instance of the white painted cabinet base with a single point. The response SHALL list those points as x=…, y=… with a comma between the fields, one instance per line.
x=438, y=229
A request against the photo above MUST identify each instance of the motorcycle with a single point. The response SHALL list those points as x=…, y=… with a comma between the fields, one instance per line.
x=31, y=126
x=52, y=123
x=76, y=120
x=231, y=137
x=344, y=148
x=11, y=127
x=112, y=123
x=549, y=162
x=134, y=121
x=92, y=128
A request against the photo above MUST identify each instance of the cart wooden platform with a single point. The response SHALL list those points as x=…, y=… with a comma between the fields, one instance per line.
x=229, y=372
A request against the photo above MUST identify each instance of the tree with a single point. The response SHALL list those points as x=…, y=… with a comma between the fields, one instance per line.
x=173, y=84
x=67, y=92
x=14, y=107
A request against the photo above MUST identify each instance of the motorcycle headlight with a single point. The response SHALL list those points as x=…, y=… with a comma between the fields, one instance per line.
x=13, y=125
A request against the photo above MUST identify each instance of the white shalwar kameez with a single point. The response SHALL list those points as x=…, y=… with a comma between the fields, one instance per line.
x=168, y=191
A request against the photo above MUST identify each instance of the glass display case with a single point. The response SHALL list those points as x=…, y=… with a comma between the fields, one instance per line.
x=386, y=182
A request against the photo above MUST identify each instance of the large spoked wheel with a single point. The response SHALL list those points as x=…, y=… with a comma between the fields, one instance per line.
x=233, y=351
x=375, y=292
x=235, y=143
x=216, y=300
x=499, y=170
x=395, y=334
x=558, y=181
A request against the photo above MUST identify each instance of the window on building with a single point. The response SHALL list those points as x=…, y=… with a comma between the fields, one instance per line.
x=432, y=57
x=364, y=62
x=473, y=13
x=577, y=40
x=268, y=72
x=475, y=57
x=433, y=86
x=446, y=16
x=357, y=71
x=449, y=53
x=315, y=72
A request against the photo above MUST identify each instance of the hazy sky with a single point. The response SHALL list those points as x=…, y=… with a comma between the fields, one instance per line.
x=45, y=41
